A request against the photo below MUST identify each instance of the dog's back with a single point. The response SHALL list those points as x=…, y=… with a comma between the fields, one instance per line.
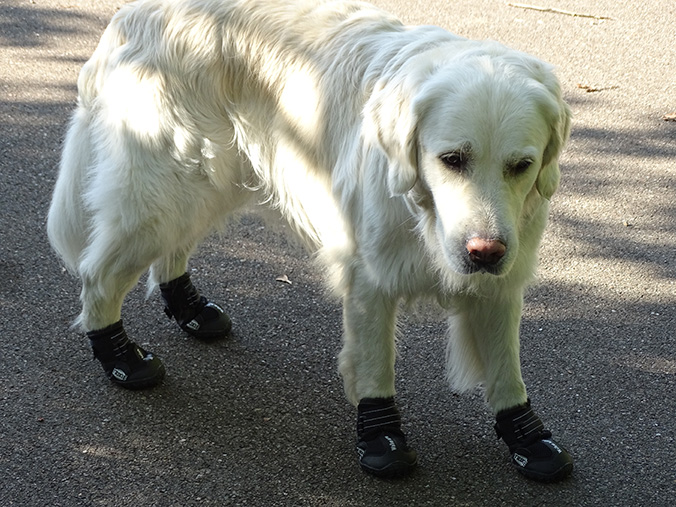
x=254, y=93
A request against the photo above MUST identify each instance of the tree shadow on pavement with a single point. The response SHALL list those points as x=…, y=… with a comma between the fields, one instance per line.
x=23, y=26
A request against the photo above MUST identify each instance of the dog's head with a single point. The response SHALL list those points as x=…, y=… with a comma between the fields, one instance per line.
x=472, y=133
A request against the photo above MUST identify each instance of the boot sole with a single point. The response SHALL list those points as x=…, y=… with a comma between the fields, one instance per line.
x=555, y=476
x=395, y=470
x=143, y=383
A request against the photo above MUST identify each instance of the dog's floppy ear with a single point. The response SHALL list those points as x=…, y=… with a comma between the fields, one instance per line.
x=559, y=118
x=390, y=123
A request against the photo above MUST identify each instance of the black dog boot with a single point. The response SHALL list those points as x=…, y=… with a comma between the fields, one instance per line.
x=382, y=445
x=125, y=363
x=534, y=453
x=194, y=313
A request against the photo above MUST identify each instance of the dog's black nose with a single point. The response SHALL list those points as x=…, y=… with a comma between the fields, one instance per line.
x=485, y=251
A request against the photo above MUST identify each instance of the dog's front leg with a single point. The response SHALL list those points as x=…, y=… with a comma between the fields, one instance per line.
x=367, y=366
x=485, y=346
x=368, y=355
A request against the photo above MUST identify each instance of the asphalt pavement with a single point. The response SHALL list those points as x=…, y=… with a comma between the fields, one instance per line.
x=260, y=419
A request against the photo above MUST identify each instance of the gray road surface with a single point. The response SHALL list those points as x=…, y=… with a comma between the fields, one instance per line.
x=260, y=419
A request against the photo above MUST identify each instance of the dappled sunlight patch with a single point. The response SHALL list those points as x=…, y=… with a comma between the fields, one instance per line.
x=137, y=101
x=625, y=281
x=100, y=451
x=648, y=363
x=300, y=101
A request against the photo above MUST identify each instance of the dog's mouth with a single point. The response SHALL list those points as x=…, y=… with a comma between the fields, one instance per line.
x=471, y=267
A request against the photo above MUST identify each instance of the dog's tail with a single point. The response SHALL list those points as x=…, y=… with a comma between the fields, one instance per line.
x=67, y=221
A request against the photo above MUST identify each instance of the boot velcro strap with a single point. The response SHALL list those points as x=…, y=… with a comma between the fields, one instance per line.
x=109, y=342
x=377, y=413
x=519, y=426
x=107, y=332
x=183, y=301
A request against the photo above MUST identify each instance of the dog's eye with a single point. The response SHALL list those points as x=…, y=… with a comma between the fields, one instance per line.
x=520, y=166
x=455, y=160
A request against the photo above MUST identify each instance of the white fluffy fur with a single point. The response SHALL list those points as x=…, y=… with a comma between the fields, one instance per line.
x=335, y=114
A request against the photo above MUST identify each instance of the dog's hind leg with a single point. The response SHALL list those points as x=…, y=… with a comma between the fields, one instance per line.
x=367, y=366
x=136, y=227
x=485, y=337
x=109, y=268
x=194, y=313
x=202, y=203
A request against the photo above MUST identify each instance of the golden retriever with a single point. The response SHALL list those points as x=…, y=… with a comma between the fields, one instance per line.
x=413, y=161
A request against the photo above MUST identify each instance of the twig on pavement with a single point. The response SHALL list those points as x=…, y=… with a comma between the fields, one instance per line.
x=556, y=11
x=590, y=89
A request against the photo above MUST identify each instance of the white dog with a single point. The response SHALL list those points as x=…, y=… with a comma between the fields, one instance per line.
x=414, y=162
